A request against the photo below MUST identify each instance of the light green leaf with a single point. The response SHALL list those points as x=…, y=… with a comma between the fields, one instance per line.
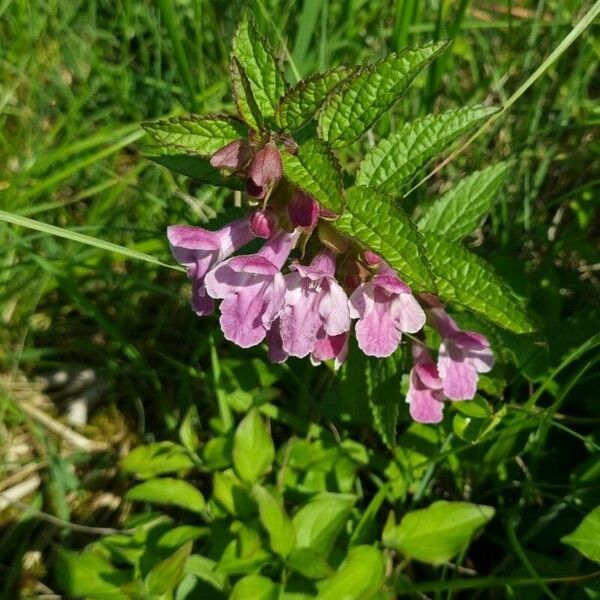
x=191, y=166
x=242, y=95
x=439, y=532
x=274, y=519
x=196, y=135
x=361, y=99
x=393, y=162
x=360, y=576
x=301, y=102
x=88, y=575
x=204, y=568
x=308, y=563
x=230, y=493
x=166, y=575
x=315, y=170
x=373, y=219
x=166, y=490
x=586, y=537
x=319, y=522
x=253, y=450
x=382, y=377
x=460, y=210
x=463, y=277
x=257, y=61
x=256, y=587
x=150, y=460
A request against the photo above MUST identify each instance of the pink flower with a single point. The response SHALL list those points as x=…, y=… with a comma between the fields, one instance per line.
x=384, y=307
x=265, y=169
x=332, y=346
x=316, y=306
x=199, y=250
x=303, y=210
x=463, y=355
x=425, y=396
x=262, y=224
x=235, y=155
x=253, y=290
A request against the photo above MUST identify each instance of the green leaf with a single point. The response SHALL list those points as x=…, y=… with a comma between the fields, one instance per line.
x=88, y=575
x=253, y=450
x=166, y=490
x=383, y=377
x=360, y=576
x=366, y=528
x=191, y=166
x=393, y=162
x=256, y=587
x=257, y=61
x=232, y=495
x=319, y=522
x=243, y=97
x=155, y=459
x=308, y=563
x=193, y=134
x=463, y=277
x=166, y=575
x=315, y=170
x=586, y=537
x=301, y=102
x=275, y=520
x=361, y=99
x=439, y=532
x=204, y=568
x=373, y=219
x=461, y=209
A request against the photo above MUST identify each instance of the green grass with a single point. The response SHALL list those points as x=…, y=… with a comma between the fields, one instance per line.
x=77, y=77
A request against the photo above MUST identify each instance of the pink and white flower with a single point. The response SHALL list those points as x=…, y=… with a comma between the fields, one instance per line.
x=331, y=347
x=253, y=290
x=463, y=355
x=384, y=307
x=425, y=396
x=199, y=250
x=316, y=306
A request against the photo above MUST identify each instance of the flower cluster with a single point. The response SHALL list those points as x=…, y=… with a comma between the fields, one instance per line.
x=306, y=311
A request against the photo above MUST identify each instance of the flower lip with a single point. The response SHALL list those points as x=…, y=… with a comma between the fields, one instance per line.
x=390, y=283
x=253, y=263
x=323, y=265
x=192, y=238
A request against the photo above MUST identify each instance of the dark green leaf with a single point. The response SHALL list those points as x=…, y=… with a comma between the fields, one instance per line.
x=393, y=162
x=373, y=219
x=382, y=377
x=439, y=532
x=315, y=170
x=361, y=99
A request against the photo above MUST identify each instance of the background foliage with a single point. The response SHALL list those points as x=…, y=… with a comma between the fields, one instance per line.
x=81, y=325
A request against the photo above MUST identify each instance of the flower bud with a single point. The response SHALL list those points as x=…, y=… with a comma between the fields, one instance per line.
x=303, y=210
x=262, y=224
x=265, y=169
x=234, y=155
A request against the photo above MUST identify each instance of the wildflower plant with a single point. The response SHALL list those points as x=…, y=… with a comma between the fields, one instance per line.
x=340, y=253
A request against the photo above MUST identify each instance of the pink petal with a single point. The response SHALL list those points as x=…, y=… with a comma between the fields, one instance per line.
x=322, y=265
x=332, y=346
x=442, y=321
x=428, y=375
x=481, y=360
x=202, y=304
x=411, y=316
x=252, y=263
x=424, y=407
x=262, y=224
x=192, y=238
x=234, y=155
x=265, y=168
x=377, y=333
x=303, y=210
x=277, y=249
x=333, y=308
x=361, y=300
x=300, y=323
x=223, y=281
x=276, y=352
x=458, y=376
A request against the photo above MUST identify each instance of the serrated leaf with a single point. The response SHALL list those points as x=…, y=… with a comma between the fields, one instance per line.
x=301, y=102
x=243, y=96
x=166, y=490
x=439, y=532
x=275, y=521
x=393, y=162
x=155, y=459
x=382, y=377
x=362, y=98
x=360, y=576
x=253, y=450
x=315, y=170
x=463, y=277
x=586, y=537
x=460, y=210
x=196, y=135
x=373, y=219
x=253, y=54
x=191, y=166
